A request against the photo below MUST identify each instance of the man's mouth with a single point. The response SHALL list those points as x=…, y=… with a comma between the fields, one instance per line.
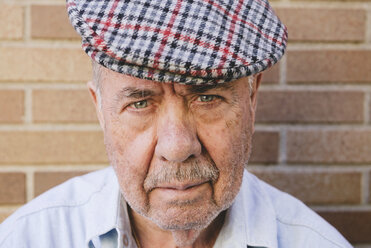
x=180, y=186
x=182, y=193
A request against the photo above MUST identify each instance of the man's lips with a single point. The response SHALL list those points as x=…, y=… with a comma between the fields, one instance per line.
x=181, y=193
x=179, y=186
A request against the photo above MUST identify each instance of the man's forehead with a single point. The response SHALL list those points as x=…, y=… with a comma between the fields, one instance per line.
x=128, y=85
x=143, y=88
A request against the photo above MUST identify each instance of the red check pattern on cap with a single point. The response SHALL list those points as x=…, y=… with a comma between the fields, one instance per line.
x=184, y=41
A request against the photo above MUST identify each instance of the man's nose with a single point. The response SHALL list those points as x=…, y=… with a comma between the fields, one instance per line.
x=176, y=136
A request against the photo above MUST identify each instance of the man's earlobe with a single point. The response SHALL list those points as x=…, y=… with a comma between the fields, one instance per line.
x=92, y=91
x=255, y=88
x=94, y=95
x=259, y=78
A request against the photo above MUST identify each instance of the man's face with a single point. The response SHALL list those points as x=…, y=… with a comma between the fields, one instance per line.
x=178, y=151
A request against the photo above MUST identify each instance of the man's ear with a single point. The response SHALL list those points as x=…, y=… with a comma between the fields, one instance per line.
x=254, y=95
x=254, y=100
x=94, y=95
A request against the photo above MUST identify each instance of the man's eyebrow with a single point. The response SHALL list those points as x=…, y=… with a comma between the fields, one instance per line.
x=133, y=92
x=196, y=89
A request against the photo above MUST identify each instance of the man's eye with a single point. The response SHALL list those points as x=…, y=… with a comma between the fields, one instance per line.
x=206, y=98
x=140, y=105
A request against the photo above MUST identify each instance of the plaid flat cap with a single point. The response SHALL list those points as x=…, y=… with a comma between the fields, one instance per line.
x=184, y=41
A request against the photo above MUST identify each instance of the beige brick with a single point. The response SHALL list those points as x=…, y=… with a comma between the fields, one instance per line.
x=11, y=19
x=265, y=147
x=11, y=106
x=44, y=64
x=12, y=188
x=272, y=75
x=323, y=24
x=310, y=106
x=329, y=146
x=317, y=187
x=63, y=106
x=52, y=147
x=47, y=180
x=334, y=66
x=57, y=26
x=354, y=225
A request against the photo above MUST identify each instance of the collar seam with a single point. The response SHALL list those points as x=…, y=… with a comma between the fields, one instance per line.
x=310, y=228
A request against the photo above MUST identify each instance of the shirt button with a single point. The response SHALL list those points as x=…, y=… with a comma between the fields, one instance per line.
x=126, y=241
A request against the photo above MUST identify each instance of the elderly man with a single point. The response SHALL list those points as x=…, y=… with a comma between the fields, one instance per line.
x=175, y=89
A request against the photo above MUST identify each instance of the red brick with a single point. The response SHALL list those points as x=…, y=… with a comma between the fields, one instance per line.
x=354, y=225
x=63, y=106
x=52, y=147
x=317, y=187
x=310, y=106
x=329, y=146
x=47, y=180
x=322, y=24
x=11, y=106
x=272, y=75
x=265, y=146
x=333, y=66
x=12, y=188
x=57, y=26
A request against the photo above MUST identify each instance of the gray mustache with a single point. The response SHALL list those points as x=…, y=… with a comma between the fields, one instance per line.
x=191, y=172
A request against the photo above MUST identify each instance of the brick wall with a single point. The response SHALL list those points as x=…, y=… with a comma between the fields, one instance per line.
x=313, y=136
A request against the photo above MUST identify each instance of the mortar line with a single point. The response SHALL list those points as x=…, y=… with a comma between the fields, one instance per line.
x=333, y=169
x=52, y=167
x=318, y=5
x=24, y=15
x=368, y=26
x=47, y=44
x=29, y=184
x=356, y=127
x=27, y=23
x=43, y=2
x=52, y=127
x=365, y=187
x=366, y=109
x=322, y=87
x=43, y=86
x=335, y=208
x=283, y=70
x=28, y=106
x=282, y=150
x=6, y=207
x=320, y=46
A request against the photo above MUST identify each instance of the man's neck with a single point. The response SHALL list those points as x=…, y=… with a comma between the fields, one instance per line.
x=148, y=234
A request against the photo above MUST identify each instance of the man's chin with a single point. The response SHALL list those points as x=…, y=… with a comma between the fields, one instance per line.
x=181, y=225
x=183, y=218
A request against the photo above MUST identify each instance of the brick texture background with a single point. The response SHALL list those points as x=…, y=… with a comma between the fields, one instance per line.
x=313, y=135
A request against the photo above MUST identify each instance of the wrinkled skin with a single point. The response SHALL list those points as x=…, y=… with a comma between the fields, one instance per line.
x=180, y=134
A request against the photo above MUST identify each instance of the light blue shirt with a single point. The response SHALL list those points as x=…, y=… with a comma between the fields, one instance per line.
x=87, y=212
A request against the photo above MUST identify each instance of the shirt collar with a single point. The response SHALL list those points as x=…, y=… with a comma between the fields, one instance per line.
x=250, y=221
x=108, y=210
